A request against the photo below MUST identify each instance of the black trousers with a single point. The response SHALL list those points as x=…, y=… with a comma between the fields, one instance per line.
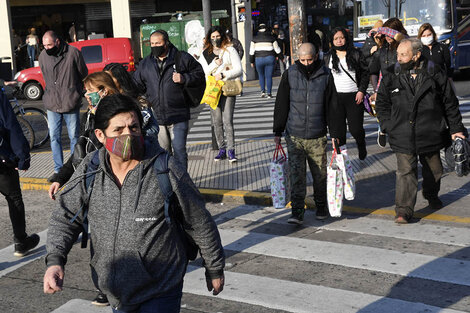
x=348, y=110
x=10, y=188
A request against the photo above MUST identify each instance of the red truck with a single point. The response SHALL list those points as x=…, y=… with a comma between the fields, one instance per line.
x=96, y=52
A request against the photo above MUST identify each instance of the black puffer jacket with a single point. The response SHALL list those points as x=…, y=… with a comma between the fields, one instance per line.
x=167, y=97
x=420, y=119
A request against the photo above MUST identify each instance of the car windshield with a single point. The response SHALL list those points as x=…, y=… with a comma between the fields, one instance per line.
x=412, y=13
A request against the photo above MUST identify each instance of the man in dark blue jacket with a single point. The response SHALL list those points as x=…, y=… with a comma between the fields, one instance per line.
x=14, y=156
x=158, y=78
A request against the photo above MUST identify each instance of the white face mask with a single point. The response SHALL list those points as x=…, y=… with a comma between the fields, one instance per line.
x=427, y=40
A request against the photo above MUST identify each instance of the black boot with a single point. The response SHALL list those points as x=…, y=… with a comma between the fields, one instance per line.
x=23, y=247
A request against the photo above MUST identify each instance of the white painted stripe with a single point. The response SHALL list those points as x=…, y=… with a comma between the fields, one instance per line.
x=362, y=257
x=10, y=263
x=81, y=306
x=458, y=236
x=300, y=297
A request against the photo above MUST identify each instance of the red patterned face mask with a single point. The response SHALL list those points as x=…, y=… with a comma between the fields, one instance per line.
x=126, y=146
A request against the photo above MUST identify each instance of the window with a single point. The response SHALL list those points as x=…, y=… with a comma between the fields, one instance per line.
x=92, y=54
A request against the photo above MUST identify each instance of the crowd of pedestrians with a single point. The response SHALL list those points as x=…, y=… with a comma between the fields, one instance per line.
x=135, y=125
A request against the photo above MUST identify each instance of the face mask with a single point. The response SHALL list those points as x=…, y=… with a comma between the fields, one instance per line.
x=340, y=48
x=407, y=66
x=158, y=51
x=126, y=146
x=52, y=51
x=427, y=40
x=216, y=42
x=94, y=99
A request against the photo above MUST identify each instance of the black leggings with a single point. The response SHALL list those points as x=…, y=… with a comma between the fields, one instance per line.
x=347, y=109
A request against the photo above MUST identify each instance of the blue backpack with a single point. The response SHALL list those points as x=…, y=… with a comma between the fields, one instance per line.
x=171, y=206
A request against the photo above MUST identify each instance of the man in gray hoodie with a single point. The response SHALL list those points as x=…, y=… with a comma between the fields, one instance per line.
x=139, y=259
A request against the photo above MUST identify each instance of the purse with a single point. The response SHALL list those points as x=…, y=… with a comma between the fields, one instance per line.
x=232, y=87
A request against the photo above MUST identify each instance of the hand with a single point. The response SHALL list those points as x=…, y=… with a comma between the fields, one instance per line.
x=252, y=65
x=458, y=135
x=53, y=190
x=10, y=83
x=359, y=97
x=178, y=78
x=215, y=285
x=218, y=61
x=373, y=49
x=277, y=140
x=218, y=77
x=53, y=279
x=373, y=97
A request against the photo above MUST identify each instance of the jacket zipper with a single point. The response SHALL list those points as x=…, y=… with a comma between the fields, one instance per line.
x=306, y=128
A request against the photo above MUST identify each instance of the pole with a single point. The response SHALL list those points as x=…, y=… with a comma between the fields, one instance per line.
x=206, y=11
x=234, y=19
x=297, y=26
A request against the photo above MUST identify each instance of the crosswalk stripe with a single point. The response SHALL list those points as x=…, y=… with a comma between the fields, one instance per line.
x=300, y=297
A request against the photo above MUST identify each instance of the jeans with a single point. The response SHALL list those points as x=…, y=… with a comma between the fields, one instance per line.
x=31, y=55
x=265, y=69
x=10, y=188
x=407, y=180
x=72, y=120
x=222, y=117
x=173, y=137
x=167, y=303
x=314, y=152
x=347, y=109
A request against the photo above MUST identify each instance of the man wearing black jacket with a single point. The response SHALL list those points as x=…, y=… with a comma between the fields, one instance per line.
x=14, y=156
x=301, y=109
x=158, y=78
x=419, y=111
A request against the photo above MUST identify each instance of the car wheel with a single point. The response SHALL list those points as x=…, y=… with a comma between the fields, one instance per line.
x=33, y=91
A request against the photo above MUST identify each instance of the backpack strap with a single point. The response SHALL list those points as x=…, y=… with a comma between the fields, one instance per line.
x=160, y=167
x=89, y=180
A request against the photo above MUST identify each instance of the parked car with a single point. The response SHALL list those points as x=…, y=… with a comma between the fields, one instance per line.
x=96, y=52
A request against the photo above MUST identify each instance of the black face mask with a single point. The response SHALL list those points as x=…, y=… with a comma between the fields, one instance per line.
x=407, y=66
x=158, y=51
x=216, y=42
x=311, y=67
x=52, y=51
x=340, y=48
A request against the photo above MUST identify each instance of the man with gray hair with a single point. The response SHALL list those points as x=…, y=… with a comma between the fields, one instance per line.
x=418, y=109
x=63, y=69
x=302, y=110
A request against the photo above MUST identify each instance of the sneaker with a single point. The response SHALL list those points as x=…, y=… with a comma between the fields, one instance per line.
x=231, y=156
x=263, y=94
x=23, y=247
x=362, y=152
x=297, y=217
x=269, y=96
x=321, y=214
x=435, y=203
x=100, y=300
x=401, y=220
x=221, y=156
x=381, y=139
x=53, y=178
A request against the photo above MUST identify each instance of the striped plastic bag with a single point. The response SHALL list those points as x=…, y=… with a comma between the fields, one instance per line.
x=279, y=175
x=334, y=187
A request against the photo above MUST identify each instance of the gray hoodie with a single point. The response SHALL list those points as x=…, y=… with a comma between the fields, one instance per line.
x=137, y=256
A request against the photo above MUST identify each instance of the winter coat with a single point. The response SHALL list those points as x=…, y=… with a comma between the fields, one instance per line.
x=440, y=55
x=302, y=102
x=14, y=148
x=167, y=97
x=64, y=76
x=137, y=256
x=229, y=57
x=418, y=120
x=264, y=44
x=362, y=71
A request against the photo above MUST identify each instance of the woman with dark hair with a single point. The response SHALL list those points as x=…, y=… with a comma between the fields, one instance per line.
x=433, y=50
x=140, y=255
x=122, y=79
x=393, y=31
x=220, y=59
x=351, y=78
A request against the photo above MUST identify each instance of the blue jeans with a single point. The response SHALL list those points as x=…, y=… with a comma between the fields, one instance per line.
x=168, y=303
x=265, y=69
x=72, y=120
x=31, y=55
x=173, y=138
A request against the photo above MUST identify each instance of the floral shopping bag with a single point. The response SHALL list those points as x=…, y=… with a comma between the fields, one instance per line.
x=334, y=187
x=212, y=92
x=279, y=174
x=344, y=163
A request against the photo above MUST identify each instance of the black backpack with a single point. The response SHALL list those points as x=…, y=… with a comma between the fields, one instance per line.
x=172, y=207
x=193, y=95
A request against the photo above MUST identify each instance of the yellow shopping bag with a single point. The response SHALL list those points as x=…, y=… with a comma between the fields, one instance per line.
x=212, y=92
